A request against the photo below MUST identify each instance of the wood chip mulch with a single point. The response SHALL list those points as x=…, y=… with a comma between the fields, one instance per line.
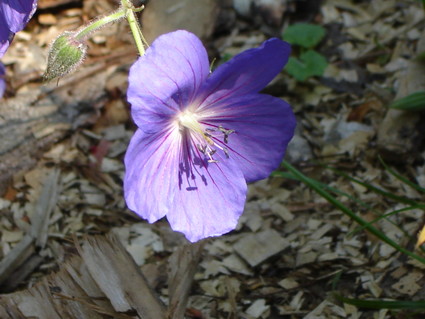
x=61, y=175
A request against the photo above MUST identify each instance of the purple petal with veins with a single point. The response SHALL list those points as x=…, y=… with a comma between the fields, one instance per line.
x=2, y=80
x=14, y=16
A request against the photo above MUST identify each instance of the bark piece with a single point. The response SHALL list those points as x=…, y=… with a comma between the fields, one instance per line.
x=119, y=278
x=102, y=280
x=256, y=248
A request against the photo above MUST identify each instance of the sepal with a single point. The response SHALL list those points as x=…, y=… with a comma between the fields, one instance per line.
x=65, y=55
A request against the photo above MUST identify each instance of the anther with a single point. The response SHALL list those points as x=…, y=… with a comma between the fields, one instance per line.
x=226, y=133
x=202, y=149
x=226, y=152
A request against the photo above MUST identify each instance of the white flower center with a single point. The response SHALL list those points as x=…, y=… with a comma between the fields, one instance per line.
x=205, y=140
x=189, y=120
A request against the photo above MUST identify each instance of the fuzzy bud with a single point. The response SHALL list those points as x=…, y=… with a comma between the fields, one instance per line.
x=65, y=55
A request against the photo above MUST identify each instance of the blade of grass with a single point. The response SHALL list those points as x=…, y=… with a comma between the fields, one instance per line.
x=379, y=191
x=374, y=189
x=400, y=177
x=358, y=201
x=331, y=199
x=382, y=304
x=330, y=188
x=354, y=199
x=387, y=215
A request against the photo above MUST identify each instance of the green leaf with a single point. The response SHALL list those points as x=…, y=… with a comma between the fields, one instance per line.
x=412, y=102
x=309, y=64
x=382, y=304
x=297, y=69
x=304, y=34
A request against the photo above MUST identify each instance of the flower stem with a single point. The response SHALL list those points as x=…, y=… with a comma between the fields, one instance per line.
x=83, y=33
x=134, y=25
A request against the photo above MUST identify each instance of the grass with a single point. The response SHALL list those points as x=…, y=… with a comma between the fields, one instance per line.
x=330, y=194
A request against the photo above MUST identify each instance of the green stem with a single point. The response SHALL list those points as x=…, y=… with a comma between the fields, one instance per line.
x=134, y=25
x=83, y=33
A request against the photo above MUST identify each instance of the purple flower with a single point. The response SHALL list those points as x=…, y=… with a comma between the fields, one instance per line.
x=201, y=137
x=14, y=15
x=2, y=80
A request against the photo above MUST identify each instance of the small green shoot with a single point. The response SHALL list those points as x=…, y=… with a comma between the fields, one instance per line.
x=305, y=35
x=310, y=62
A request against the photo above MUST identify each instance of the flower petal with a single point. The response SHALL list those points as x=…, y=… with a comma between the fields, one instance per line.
x=200, y=199
x=17, y=13
x=2, y=80
x=247, y=72
x=210, y=198
x=4, y=36
x=166, y=79
x=263, y=126
x=14, y=15
x=151, y=174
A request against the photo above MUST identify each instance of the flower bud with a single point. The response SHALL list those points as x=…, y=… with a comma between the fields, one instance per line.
x=65, y=55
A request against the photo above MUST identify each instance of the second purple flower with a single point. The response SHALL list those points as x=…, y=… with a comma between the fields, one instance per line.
x=14, y=15
x=201, y=137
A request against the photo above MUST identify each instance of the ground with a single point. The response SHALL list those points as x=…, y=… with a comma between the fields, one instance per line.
x=293, y=253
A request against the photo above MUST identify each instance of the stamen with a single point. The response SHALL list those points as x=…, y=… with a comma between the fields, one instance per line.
x=226, y=133
x=226, y=152
x=208, y=138
x=204, y=139
x=202, y=149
